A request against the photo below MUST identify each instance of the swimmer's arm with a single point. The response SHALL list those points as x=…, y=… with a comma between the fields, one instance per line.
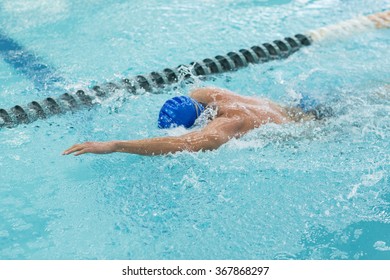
x=211, y=137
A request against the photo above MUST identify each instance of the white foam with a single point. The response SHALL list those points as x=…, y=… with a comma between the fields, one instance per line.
x=381, y=246
x=353, y=191
x=372, y=179
x=42, y=6
x=31, y=13
x=367, y=180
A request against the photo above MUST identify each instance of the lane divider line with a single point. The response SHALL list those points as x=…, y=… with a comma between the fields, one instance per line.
x=28, y=64
x=278, y=49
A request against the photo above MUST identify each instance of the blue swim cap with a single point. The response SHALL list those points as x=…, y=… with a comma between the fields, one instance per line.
x=179, y=110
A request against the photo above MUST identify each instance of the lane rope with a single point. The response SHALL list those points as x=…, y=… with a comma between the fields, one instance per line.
x=278, y=49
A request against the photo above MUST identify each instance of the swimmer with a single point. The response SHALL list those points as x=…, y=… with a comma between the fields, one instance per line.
x=235, y=116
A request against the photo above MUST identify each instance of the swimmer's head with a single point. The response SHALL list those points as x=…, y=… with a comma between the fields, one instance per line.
x=179, y=111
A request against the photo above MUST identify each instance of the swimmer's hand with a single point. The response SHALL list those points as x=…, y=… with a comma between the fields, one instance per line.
x=91, y=147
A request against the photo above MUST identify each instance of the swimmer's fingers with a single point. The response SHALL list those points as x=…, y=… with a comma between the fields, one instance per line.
x=91, y=147
x=83, y=151
x=78, y=149
x=70, y=150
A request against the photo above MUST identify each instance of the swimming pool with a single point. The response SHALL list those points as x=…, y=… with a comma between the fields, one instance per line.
x=310, y=191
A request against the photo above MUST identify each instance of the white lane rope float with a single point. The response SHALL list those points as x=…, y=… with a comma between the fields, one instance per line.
x=278, y=49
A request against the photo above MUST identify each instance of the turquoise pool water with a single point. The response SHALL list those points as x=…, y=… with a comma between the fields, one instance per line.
x=310, y=191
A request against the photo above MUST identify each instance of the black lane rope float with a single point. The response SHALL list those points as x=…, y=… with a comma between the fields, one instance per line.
x=277, y=49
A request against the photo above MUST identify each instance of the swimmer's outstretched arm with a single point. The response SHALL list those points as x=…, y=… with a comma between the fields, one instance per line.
x=211, y=137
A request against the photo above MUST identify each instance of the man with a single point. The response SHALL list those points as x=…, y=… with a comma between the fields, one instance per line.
x=235, y=116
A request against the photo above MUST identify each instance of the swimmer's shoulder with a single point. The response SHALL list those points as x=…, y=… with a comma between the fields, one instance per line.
x=212, y=95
